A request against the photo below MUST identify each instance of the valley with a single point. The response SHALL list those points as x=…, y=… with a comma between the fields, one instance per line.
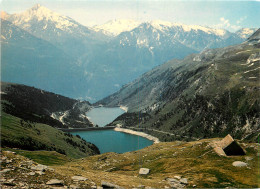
x=143, y=103
x=210, y=94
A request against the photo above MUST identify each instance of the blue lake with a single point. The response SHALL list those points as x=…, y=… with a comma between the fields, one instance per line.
x=113, y=141
x=102, y=116
x=110, y=140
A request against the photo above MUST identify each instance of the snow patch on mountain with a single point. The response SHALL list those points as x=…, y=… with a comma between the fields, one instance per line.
x=246, y=32
x=165, y=25
x=116, y=27
x=38, y=14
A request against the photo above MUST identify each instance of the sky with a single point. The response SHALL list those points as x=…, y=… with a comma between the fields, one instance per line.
x=231, y=15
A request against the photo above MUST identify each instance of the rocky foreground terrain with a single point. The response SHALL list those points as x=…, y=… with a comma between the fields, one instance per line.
x=163, y=165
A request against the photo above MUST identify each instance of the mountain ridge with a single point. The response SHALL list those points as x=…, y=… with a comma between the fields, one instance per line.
x=98, y=64
x=204, y=95
x=45, y=107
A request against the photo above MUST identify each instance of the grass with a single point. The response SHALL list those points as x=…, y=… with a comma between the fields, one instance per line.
x=36, y=136
x=43, y=157
x=195, y=161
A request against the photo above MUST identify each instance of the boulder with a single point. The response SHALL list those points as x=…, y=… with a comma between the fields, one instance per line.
x=239, y=164
x=55, y=182
x=184, y=181
x=39, y=167
x=105, y=184
x=144, y=171
x=79, y=178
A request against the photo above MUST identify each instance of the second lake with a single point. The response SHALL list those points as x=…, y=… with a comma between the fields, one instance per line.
x=102, y=116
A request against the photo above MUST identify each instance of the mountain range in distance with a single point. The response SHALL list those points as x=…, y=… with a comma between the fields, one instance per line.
x=210, y=94
x=91, y=63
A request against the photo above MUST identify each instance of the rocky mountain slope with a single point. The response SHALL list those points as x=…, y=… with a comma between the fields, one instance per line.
x=204, y=95
x=88, y=63
x=31, y=104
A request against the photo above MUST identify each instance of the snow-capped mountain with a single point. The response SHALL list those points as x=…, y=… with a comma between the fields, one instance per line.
x=194, y=37
x=246, y=32
x=166, y=26
x=55, y=28
x=101, y=58
x=115, y=27
x=45, y=19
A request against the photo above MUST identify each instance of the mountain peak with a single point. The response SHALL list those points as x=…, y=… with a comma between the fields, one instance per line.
x=39, y=10
x=44, y=18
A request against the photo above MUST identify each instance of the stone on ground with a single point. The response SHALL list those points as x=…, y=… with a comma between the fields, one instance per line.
x=144, y=171
x=55, y=182
x=239, y=164
x=105, y=184
x=39, y=167
x=79, y=178
x=184, y=181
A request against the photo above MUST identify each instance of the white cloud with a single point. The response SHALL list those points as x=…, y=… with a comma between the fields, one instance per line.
x=225, y=24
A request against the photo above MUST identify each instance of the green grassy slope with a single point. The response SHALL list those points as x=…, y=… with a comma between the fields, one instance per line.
x=196, y=161
x=17, y=133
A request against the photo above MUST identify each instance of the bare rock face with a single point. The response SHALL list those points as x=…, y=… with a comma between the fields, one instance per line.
x=144, y=171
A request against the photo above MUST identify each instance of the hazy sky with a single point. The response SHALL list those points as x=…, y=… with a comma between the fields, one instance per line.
x=231, y=15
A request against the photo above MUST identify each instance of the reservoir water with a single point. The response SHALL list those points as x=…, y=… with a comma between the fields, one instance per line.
x=102, y=116
x=110, y=140
x=113, y=141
